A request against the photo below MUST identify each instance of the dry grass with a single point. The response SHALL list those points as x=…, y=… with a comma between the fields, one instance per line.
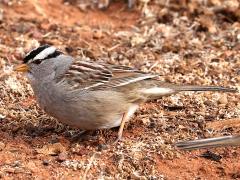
x=193, y=43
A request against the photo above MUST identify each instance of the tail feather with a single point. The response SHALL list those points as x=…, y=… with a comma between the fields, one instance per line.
x=160, y=89
x=209, y=143
x=204, y=88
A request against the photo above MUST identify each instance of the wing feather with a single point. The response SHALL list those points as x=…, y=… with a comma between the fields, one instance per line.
x=93, y=75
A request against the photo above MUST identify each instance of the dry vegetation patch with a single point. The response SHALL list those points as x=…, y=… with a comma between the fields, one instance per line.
x=193, y=42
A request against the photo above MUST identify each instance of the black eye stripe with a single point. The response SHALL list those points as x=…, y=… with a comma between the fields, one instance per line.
x=37, y=61
x=53, y=55
x=35, y=52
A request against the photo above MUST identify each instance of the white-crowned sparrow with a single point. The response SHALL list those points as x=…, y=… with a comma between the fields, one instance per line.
x=210, y=142
x=90, y=95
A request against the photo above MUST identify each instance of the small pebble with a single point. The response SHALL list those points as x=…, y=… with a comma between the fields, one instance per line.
x=54, y=139
x=1, y=15
x=102, y=147
x=19, y=170
x=223, y=99
x=97, y=34
x=9, y=170
x=2, y=116
x=2, y=146
x=146, y=121
x=181, y=127
x=208, y=103
x=45, y=162
x=16, y=164
x=62, y=157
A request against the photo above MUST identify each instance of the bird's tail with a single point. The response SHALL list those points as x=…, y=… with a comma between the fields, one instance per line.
x=203, y=88
x=159, y=89
x=209, y=143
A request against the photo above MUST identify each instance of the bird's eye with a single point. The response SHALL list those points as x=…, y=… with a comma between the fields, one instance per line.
x=37, y=61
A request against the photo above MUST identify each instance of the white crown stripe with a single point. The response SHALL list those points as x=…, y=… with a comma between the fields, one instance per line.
x=45, y=53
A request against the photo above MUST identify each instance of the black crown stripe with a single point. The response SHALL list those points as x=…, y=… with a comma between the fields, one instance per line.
x=34, y=53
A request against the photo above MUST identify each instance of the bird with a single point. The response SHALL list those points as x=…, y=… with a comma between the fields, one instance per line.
x=92, y=95
x=209, y=142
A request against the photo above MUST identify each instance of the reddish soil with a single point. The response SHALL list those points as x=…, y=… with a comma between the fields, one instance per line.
x=174, y=43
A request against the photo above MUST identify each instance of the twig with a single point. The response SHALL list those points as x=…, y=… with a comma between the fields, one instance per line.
x=114, y=47
x=219, y=125
x=38, y=8
x=88, y=166
x=153, y=66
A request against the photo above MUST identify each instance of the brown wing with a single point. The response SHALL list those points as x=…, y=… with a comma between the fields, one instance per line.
x=93, y=75
x=84, y=74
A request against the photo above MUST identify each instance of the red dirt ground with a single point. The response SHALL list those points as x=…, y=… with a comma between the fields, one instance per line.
x=34, y=145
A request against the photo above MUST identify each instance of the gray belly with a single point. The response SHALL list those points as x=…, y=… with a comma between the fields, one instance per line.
x=87, y=111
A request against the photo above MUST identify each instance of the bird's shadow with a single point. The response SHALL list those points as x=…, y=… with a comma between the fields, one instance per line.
x=52, y=134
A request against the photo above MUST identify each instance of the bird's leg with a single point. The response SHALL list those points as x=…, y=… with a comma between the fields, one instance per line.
x=120, y=130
